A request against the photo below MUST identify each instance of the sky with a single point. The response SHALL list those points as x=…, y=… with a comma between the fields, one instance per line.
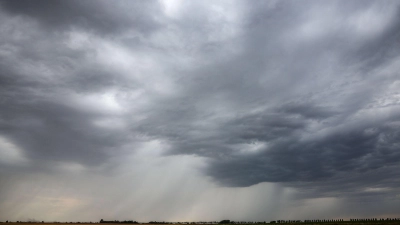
x=200, y=110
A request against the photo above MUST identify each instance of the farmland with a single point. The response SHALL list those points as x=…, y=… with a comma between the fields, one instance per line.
x=378, y=222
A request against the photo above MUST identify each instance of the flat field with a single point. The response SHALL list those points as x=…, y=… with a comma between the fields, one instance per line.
x=321, y=223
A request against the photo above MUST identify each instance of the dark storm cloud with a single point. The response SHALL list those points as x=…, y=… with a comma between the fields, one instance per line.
x=308, y=111
x=311, y=100
x=52, y=131
x=300, y=93
x=38, y=73
x=97, y=16
x=290, y=160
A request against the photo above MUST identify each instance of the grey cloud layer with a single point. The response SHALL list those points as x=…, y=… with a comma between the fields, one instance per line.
x=100, y=17
x=301, y=93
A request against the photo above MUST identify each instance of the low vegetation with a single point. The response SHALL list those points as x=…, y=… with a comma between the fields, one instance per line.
x=369, y=221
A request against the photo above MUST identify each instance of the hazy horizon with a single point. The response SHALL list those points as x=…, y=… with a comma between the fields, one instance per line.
x=172, y=110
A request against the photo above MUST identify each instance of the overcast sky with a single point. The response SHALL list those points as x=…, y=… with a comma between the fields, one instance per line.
x=199, y=110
